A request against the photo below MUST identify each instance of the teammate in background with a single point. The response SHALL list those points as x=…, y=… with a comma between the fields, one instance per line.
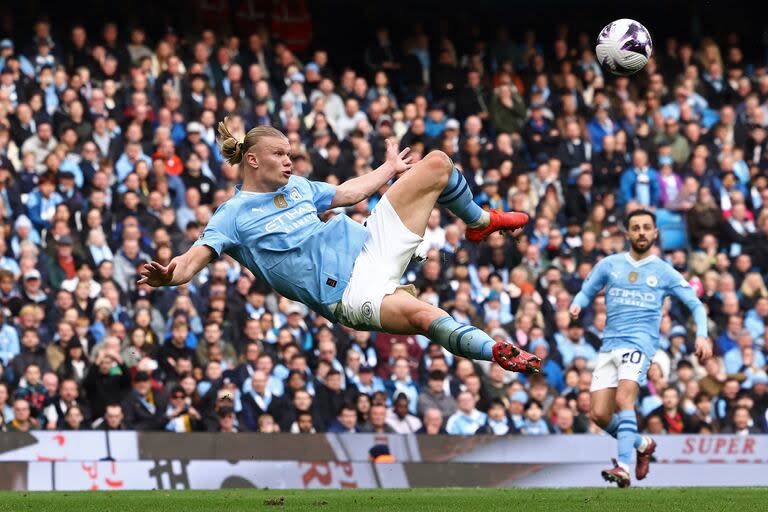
x=345, y=271
x=636, y=283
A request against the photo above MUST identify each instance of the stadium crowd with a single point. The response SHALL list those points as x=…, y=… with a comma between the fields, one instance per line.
x=108, y=160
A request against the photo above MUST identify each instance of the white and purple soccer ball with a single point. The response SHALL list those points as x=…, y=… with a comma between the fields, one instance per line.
x=624, y=46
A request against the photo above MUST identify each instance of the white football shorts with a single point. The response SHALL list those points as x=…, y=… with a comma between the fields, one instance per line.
x=378, y=268
x=619, y=364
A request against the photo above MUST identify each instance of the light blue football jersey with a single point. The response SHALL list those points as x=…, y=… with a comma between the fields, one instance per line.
x=278, y=237
x=634, y=293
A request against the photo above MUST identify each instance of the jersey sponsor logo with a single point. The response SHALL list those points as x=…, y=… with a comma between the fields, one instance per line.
x=651, y=281
x=367, y=309
x=295, y=194
x=331, y=282
x=632, y=277
x=280, y=201
x=632, y=297
x=257, y=210
x=290, y=220
x=615, y=275
x=684, y=283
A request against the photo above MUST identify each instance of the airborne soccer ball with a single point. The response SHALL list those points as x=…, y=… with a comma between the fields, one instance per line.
x=623, y=47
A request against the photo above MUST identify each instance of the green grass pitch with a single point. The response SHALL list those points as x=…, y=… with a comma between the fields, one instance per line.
x=524, y=500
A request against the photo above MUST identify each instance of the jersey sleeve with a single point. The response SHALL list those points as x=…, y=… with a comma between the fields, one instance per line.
x=680, y=288
x=221, y=232
x=322, y=194
x=596, y=281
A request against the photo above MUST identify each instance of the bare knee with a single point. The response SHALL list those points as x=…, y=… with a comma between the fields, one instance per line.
x=440, y=164
x=423, y=318
x=600, y=416
x=625, y=403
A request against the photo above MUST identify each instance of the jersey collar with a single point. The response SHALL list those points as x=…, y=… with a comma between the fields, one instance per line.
x=640, y=263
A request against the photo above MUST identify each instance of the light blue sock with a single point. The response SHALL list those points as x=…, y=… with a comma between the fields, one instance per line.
x=612, y=426
x=461, y=339
x=457, y=197
x=627, y=435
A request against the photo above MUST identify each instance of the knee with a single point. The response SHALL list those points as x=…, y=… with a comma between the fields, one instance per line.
x=600, y=416
x=422, y=319
x=439, y=163
x=624, y=403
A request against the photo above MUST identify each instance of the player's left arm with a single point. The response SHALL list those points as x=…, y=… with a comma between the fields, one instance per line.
x=680, y=288
x=355, y=190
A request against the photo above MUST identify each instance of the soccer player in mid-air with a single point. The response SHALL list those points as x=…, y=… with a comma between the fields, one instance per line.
x=636, y=283
x=345, y=271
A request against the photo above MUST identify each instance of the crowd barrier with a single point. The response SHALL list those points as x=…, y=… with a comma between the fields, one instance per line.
x=138, y=460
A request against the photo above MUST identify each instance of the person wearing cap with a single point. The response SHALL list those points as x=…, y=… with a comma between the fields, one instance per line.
x=64, y=264
x=32, y=288
x=295, y=94
x=145, y=408
x=636, y=284
x=380, y=454
x=7, y=52
x=366, y=381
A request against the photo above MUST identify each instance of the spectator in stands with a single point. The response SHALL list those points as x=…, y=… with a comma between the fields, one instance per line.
x=399, y=417
x=674, y=419
x=467, y=419
x=741, y=423
x=346, y=421
x=433, y=423
x=145, y=408
x=497, y=422
x=378, y=421
x=22, y=421
x=107, y=381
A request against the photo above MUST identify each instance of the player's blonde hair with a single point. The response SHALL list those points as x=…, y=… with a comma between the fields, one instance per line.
x=233, y=150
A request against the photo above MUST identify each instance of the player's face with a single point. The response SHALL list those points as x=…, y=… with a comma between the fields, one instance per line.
x=271, y=157
x=642, y=233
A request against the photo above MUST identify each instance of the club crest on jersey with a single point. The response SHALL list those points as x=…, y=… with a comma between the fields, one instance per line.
x=280, y=201
x=651, y=281
x=295, y=194
x=632, y=277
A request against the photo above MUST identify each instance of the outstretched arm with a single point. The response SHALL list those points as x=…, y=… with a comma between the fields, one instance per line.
x=355, y=190
x=595, y=282
x=180, y=270
x=683, y=291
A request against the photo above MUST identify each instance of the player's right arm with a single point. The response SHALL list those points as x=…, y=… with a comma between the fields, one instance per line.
x=596, y=281
x=180, y=270
x=219, y=234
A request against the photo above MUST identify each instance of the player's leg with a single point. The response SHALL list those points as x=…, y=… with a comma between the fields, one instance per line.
x=629, y=439
x=434, y=179
x=402, y=313
x=633, y=370
x=602, y=403
x=415, y=193
x=602, y=406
